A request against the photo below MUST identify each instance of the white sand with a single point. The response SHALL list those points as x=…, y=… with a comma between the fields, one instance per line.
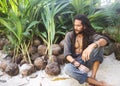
x=109, y=71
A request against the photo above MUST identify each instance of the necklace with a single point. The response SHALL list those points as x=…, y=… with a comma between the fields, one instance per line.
x=78, y=44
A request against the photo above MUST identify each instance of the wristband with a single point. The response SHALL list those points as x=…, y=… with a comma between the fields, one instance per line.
x=78, y=65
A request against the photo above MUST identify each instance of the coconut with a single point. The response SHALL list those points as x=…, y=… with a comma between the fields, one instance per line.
x=36, y=42
x=61, y=59
x=3, y=65
x=34, y=56
x=53, y=69
x=18, y=59
x=27, y=69
x=56, y=49
x=42, y=50
x=23, y=62
x=62, y=43
x=39, y=63
x=12, y=69
x=32, y=50
x=53, y=58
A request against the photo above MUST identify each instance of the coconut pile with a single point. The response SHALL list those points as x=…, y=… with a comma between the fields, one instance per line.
x=109, y=71
x=38, y=58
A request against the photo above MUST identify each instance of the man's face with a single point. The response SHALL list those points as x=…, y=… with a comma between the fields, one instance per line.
x=78, y=27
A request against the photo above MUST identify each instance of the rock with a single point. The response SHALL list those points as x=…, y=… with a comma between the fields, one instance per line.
x=108, y=50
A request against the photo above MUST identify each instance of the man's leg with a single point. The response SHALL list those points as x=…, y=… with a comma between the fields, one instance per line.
x=97, y=83
x=95, y=68
x=96, y=58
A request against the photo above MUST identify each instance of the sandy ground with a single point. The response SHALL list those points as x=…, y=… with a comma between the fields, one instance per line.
x=109, y=71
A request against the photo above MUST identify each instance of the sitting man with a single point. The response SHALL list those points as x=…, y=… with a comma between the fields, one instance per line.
x=83, y=49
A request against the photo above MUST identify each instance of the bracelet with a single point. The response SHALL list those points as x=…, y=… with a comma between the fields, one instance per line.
x=78, y=65
x=74, y=62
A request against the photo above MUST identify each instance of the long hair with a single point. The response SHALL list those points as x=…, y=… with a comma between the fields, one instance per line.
x=88, y=31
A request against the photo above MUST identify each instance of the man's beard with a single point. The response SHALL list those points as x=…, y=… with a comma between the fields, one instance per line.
x=81, y=32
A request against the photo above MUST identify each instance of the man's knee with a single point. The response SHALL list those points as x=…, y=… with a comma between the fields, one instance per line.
x=96, y=52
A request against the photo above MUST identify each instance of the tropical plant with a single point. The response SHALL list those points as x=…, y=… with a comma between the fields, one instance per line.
x=112, y=12
x=90, y=8
x=113, y=17
x=48, y=15
x=18, y=26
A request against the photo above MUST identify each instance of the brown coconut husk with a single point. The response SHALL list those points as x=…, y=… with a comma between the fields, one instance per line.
x=32, y=50
x=34, y=56
x=56, y=49
x=53, y=69
x=27, y=69
x=53, y=59
x=12, y=69
x=18, y=59
x=36, y=42
x=40, y=63
x=42, y=50
x=23, y=62
x=61, y=59
x=3, y=66
x=62, y=44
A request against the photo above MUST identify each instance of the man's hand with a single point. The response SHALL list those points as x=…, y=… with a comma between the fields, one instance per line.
x=86, y=53
x=77, y=64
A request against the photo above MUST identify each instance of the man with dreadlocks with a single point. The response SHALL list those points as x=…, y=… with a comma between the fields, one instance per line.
x=83, y=49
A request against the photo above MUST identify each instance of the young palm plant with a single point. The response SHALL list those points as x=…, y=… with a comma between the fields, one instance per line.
x=50, y=11
x=18, y=26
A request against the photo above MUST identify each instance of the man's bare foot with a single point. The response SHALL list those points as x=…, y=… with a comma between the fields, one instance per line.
x=104, y=84
x=93, y=78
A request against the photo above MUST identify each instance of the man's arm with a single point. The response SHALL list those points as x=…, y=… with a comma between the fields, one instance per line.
x=68, y=50
x=99, y=43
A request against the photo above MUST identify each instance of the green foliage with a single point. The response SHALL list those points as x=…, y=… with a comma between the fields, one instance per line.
x=18, y=25
x=20, y=20
x=86, y=7
x=113, y=13
x=48, y=15
x=113, y=32
x=113, y=20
